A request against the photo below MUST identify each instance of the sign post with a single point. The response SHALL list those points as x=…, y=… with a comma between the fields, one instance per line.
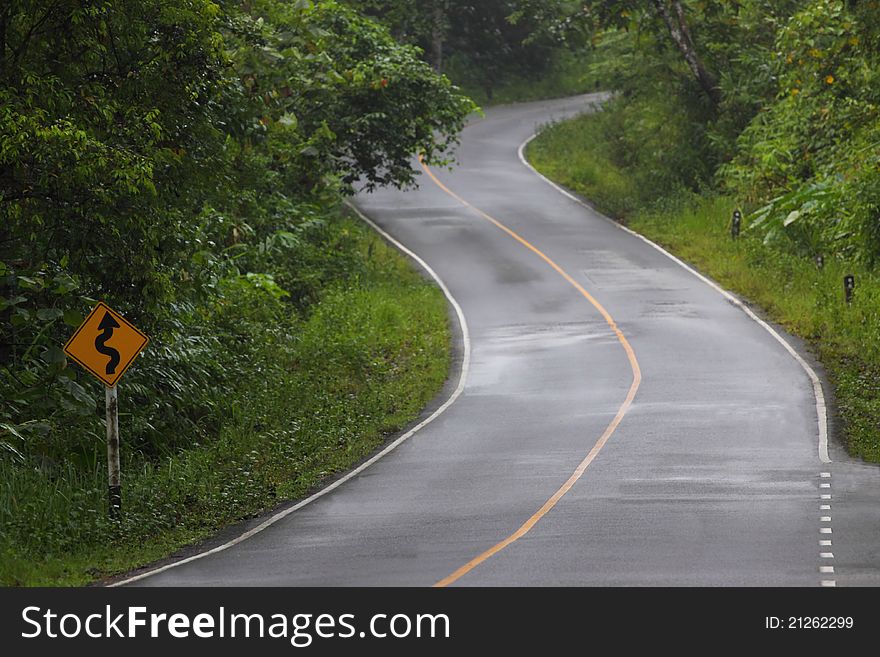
x=106, y=344
x=114, y=485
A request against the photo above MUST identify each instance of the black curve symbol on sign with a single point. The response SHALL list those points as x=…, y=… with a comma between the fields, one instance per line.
x=106, y=326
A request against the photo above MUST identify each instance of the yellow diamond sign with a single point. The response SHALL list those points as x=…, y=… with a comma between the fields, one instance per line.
x=106, y=344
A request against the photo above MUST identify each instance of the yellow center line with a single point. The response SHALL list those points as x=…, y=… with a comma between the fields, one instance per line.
x=526, y=527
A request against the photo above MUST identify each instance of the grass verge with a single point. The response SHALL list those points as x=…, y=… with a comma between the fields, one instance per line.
x=792, y=291
x=325, y=389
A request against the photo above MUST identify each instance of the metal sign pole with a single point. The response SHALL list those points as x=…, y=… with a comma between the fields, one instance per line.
x=114, y=487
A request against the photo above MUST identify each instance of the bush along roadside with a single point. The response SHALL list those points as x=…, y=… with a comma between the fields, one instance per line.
x=320, y=390
x=794, y=290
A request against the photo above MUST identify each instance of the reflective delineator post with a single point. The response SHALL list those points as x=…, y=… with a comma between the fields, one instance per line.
x=114, y=488
x=735, y=224
x=849, y=285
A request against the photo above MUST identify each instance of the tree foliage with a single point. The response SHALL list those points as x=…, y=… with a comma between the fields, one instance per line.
x=481, y=44
x=773, y=100
x=166, y=155
x=813, y=151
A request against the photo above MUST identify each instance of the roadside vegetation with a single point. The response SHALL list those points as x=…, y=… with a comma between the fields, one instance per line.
x=767, y=106
x=497, y=51
x=185, y=162
x=312, y=393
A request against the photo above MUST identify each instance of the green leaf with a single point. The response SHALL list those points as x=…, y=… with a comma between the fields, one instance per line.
x=30, y=283
x=48, y=314
x=11, y=429
x=73, y=318
x=54, y=355
x=78, y=393
x=16, y=455
x=35, y=426
x=64, y=283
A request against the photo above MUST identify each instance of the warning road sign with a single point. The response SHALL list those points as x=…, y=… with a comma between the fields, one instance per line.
x=105, y=344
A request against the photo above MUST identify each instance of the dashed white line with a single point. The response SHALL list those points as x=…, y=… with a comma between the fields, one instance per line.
x=825, y=505
x=821, y=410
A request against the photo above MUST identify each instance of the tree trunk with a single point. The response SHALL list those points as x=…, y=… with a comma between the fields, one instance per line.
x=681, y=36
x=438, y=30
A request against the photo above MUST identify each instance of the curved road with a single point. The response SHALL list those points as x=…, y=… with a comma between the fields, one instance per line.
x=711, y=476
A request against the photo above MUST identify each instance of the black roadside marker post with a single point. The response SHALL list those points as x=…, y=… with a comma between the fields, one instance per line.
x=105, y=344
x=735, y=224
x=849, y=286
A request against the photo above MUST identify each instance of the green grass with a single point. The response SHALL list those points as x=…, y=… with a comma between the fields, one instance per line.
x=576, y=154
x=324, y=392
x=791, y=290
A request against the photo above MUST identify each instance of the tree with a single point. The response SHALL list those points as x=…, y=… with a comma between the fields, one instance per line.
x=673, y=16
x=666, y=18
x=477, y=41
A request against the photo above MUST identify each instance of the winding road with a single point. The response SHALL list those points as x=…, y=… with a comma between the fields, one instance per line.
x=614, y=418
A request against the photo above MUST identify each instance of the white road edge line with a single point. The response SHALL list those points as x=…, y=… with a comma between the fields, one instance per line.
x=821, y=407
x=465, y=366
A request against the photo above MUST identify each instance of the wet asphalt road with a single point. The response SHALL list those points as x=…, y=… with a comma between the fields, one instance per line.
x=711, y=478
